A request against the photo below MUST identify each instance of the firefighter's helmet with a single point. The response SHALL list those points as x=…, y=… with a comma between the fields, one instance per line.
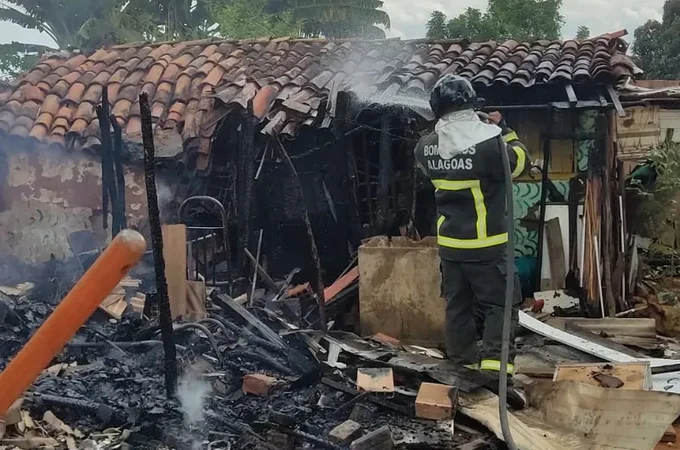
x=452, y=93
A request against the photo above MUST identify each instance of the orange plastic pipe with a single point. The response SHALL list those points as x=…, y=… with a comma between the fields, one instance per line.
x=96, y=284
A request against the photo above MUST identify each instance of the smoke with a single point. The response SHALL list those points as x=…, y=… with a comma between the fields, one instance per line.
x=367, y=95
x=192, y=393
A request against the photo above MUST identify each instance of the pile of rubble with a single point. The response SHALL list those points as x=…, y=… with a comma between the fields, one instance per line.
x=256, y=373
x=249, y=380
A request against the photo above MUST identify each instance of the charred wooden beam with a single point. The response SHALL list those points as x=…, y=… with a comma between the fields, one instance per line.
x=157, y=245
x=263, y=273
x=318, y=282
x=109, y=192
x=386, y=173
x=247, y=169
x=119, y=208
x=103, y=412
x=367, y=183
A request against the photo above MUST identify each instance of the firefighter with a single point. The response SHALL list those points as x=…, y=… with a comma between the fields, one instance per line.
x=462, y=159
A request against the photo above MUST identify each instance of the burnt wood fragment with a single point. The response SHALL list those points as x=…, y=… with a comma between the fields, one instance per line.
x=157, y=245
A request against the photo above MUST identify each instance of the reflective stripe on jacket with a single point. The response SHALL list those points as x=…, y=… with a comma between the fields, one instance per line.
x=470, y=194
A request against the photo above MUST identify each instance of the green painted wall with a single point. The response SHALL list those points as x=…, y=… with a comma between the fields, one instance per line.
x=527, y=195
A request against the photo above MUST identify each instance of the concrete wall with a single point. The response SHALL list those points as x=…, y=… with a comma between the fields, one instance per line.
x=48, y=194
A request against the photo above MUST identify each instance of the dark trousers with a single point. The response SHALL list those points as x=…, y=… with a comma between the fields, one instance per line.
x=475, y=304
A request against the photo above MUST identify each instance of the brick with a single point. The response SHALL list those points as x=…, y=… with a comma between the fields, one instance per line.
x=363, y=413
x=345, y=433
x=387, y=340
x=380, y=439
x=436, y=401
x=670, y=435
x=258, y=384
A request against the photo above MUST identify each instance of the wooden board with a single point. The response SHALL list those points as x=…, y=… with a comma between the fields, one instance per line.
x=635, y=376
x=483, y=407
x=175, y=255
x=612, y=326
x=558, y=271
x=196, y=298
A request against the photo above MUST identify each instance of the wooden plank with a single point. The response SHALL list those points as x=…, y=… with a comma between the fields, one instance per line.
x=537, y=372
x=614, y=326
x=576, y=342
x=175, y=256
x=196, y=300
x=340, y=284
x=571, y=94
x=116, y=308
x=483, y=408
x=634, y=376
x=260, y=270
x=558, y=271
x=575, y=330
x=226, y=302
x=615, y=99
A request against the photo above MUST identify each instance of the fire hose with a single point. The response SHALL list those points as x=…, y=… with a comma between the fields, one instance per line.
x=509, y=289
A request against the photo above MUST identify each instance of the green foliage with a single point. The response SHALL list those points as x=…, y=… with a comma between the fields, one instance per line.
x=657, y=44
x=583, y=32
x=17, y=58
x=246, y=19
x=503, y=19
x=658, y=199
x=91, y=24
x=666, y=160
x=336, y=19
x=177, y=20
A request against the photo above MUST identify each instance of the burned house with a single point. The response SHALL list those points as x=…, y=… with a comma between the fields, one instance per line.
x=347, y=113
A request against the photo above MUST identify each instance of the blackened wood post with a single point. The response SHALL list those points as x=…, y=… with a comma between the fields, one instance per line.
x=318, y=283
x=105, y=132
x=606, y=121
x=385, y=179
x=344, y=151
x=367, y=180
x=120, y=175
x=157, y=245
x=248, y=171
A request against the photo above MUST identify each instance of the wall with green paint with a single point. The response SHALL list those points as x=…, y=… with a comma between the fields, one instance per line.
x=527, y=195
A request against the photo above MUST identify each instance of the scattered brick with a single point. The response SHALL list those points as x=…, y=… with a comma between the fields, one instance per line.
x=258, y=384
x=436, y=401
x=380, y=439
x=345, y=433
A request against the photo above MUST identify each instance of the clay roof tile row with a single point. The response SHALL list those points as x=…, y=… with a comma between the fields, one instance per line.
x=287, y=80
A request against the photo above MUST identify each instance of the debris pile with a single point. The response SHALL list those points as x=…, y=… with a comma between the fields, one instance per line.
x=251, y=379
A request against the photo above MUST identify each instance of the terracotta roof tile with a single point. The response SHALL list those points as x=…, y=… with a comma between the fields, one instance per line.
x=187, y=81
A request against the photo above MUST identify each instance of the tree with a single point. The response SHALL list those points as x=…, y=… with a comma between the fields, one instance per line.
x=91, y=24
x=436, y=26
x=583, y=32
x=503, y=19
x=67, y=21
x=179, y=20
x=17, y=58
x=336, y=19
x=247, y=19
x=657, y=44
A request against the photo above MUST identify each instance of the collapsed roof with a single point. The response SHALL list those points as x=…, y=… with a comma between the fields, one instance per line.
x=191, y=84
